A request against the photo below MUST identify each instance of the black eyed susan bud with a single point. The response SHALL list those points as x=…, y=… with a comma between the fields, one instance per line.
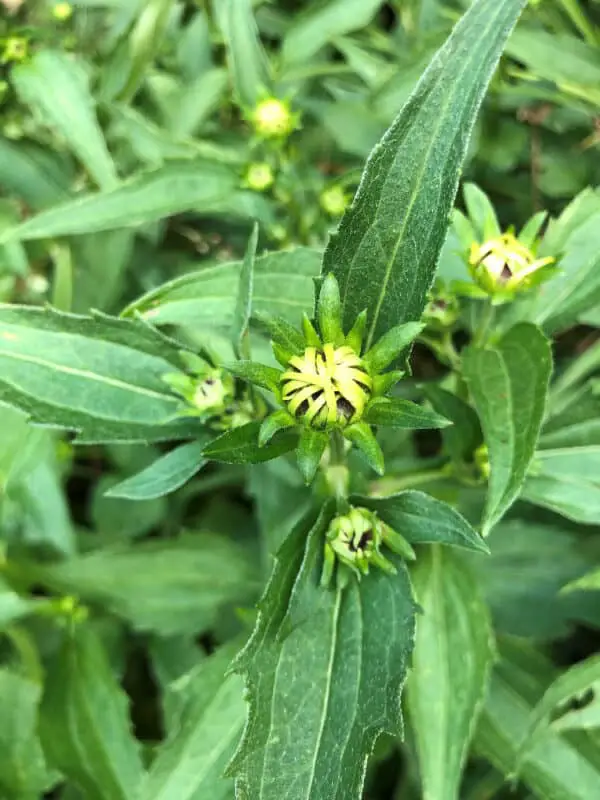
x=481, y=458
x=442, y=310
x=273, y=119
x=504, y=265
x=62, y=12
x=15, y=50
x=326, y=388
x=334, y=201
x=355, y=540
x=259, y=177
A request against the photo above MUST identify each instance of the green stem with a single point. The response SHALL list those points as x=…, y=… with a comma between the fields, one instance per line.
x=387, y=486
x=337, y=474
x=486, y=319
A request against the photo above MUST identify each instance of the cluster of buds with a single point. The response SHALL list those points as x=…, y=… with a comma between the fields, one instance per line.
x=354, y=541
x=210, y=394
x=503, y=266
x=272, y=118
x=327, y=385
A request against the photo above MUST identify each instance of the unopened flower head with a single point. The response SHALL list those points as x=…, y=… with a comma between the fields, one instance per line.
x=272, y=119
x=355, y=540
x=334, y=201
x=259, y=176
x=15, y=50
x=505, y=265
x=62, y=11
x=442, y=310
x=326, y=387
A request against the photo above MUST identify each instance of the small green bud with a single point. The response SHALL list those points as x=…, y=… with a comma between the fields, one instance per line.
x=15, y=50
x=442, y=310
x=503, y=266
x=62, y=11
x=326, y=388
x=259, y=177
x=273, y=119
x=355, y=540
x=334, y=201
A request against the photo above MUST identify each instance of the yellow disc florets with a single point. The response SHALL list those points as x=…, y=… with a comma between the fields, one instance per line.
x=326, y=388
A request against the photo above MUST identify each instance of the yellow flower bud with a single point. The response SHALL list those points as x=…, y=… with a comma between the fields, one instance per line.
x=334, y=201
x=259, y=177
x=62, y=11
x=326, y=388
x=273, y=119
x=504, y=264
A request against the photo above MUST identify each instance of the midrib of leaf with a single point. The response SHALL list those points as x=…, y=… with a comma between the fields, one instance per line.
x=80, y=373
x=418, y=185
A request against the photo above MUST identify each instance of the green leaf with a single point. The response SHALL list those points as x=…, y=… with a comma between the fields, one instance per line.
x=165, y=475
x=240, y=445
x=464, y=435
x=509, y=382
x=589, y=582
x=98, y=375
x=362, y=437
x=400, y=413
x=557, y=767
x=283, y=285
x=55, y=87
x=391, y=345
x=13, y=607
x=178, y=186
x=422, y=519
x=575, y=498
x=452, y=659
x=385, y=251
x=191, y=763
x=258, y=374
x=324, y=670
x=142, y=44
x=23, y=770
x=311, y=447
x=571, y=685
x=320, y=24
x=481, y=213
x=84, y=721
x=34, y=174
x=243, y=306
x=248, y=61
x=168, y=586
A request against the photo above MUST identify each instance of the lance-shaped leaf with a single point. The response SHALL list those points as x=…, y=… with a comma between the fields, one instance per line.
x=171, y=189
x=248, y=61
x=100, y=376
x=23, y=770
x=385, y=252
x=240, y=445
x=84, y=721
x=191, y=763
x=243, y=305
x=167, y=586
x=422, y=519
x=509, y=384
x=165, y=475
x=451, y=666
x=55, y=87
x=324, y=670
x=399, y=413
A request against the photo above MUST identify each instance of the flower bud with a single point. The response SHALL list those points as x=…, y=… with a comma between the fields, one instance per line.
x=326, y=388
x=354, y=539
x=482, y=462
x=62, y=11
x=273, y=119
x=504, y=265
x=334, y=201
x=259, y=177
x=15, y=50
x=442, y=310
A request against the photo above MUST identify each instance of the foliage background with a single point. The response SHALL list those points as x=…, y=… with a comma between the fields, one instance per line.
x=124, y=160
